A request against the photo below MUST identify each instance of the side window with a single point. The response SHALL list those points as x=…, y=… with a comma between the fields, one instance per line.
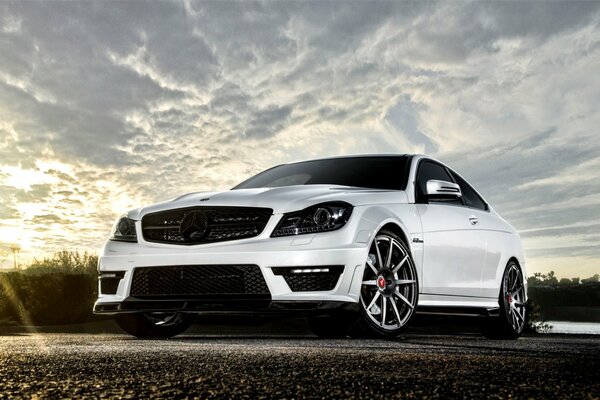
x=470, y=197
x=429, y=170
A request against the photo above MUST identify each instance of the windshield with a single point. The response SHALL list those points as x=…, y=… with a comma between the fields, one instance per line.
x=383, y=172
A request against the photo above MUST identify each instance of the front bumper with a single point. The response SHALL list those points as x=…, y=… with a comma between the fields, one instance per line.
x=346, y=247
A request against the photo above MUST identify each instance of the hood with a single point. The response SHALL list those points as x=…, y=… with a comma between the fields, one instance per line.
x=280, y=199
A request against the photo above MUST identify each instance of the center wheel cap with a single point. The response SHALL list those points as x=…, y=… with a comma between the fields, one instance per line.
x=381, y=282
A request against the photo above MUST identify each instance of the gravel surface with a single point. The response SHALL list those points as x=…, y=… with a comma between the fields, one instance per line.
x=202, y=366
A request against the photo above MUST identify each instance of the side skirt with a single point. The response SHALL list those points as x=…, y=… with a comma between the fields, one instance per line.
x=459, y=311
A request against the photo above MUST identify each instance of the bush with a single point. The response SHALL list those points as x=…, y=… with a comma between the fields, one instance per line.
x=67, y=262
x=572, y=299
x=47, y=298
x=57, y=290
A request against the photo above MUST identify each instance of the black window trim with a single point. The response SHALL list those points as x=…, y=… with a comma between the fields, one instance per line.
x=485, y=203
x=450, y=173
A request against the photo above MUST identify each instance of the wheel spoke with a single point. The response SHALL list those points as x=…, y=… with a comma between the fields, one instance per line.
x=397, y=267
x=370, y=264
x=405, y=281
x=396, y=311
x=388, y=261
x=379, y=260
x=516, y=281
x=384, y=310
x=516, y=291
x=373, y=301
x=369, y=283
x=404, y=299
x=164, y=320
x=518, y=315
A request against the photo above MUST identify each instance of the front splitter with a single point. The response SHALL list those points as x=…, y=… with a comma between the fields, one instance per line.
x=232, y=306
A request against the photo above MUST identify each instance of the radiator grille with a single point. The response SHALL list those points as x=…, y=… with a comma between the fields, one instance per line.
x=197, y=225
x=198, y=280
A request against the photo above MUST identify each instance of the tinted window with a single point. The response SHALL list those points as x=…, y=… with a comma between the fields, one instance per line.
x=470, y=197
x=429, y=170
x=369, y=172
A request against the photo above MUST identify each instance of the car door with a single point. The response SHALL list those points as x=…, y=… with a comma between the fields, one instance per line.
x=495, y=230
x=453, y=245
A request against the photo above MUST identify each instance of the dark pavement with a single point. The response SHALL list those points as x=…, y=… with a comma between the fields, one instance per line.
x=262, y=365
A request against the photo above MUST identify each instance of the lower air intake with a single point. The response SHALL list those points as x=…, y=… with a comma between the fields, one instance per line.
x=310, y=279
x=199, y=281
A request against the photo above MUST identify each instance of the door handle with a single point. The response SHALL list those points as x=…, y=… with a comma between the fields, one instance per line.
x=473, y=220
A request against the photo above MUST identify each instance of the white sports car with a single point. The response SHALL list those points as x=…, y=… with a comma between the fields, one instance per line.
x=358, y=244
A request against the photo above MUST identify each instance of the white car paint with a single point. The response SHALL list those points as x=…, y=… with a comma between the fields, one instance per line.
x=458, y=264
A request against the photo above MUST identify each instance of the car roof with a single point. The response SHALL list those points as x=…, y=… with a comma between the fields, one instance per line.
x=355, y=156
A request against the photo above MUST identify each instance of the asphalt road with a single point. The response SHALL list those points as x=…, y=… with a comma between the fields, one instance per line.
x=51, y=365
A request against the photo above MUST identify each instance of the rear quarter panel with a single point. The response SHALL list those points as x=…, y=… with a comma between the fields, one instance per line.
x=503, y=244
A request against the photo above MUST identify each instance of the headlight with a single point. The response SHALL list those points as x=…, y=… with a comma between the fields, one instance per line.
x=124, y=230
x=318, y=218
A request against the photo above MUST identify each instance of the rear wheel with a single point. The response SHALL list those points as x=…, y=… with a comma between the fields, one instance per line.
x=513, y=309
x=154, y=325
x=389, y=291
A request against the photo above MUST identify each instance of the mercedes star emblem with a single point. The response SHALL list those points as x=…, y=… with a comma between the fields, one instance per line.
x=193, y=225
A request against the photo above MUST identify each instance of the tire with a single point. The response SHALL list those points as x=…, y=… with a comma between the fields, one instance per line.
x=513, y=311
x=154, y=325
x=330, y=326
x=389, y=291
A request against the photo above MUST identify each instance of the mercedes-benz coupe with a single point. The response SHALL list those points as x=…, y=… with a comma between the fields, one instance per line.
x=358, y=244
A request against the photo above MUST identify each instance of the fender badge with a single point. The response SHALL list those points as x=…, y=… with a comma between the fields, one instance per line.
x=205, y=199
x=417, y=240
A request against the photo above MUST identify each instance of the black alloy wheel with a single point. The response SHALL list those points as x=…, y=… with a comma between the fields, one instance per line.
x=154, y=325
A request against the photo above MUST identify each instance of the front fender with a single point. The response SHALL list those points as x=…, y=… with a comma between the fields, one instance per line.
x=403, y=217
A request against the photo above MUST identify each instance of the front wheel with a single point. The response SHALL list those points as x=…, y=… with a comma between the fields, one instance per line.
x=154, y=325
x=389, y=291
x=513, y=308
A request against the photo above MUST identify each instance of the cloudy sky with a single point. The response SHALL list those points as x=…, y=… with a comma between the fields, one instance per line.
x=108, y=106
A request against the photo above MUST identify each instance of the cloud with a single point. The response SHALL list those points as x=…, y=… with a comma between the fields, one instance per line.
x=106, y=108
x=46, y=219
x=8, y=212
